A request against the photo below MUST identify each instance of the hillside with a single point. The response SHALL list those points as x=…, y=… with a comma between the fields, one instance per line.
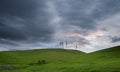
x=60, y=60
x=107, y=60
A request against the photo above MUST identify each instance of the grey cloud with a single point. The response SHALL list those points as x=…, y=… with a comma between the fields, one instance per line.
x=16, y=29
x=7, y=32
x=8, y=42
x=115, y=39
x=29, y=22
x=20, y=21
x=79, y=12
x=21, y=8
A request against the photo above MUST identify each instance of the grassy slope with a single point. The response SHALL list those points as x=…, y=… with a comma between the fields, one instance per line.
x=107, y=60
x=59, y=60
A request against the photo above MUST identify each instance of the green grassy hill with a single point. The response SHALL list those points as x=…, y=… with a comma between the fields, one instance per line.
x=107, y=60
x=60, y=60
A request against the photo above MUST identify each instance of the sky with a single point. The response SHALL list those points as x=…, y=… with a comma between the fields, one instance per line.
x=31, y=24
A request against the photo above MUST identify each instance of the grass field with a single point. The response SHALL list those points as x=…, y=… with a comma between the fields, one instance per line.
x=60, y=60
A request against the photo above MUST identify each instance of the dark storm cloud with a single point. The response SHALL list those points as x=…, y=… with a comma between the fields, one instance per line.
x=21, y=8
x=115, y=39
x=83, y=13
x=8, y=42
x=19, y=21
x=15, y=29
x=107, y=7
x=7, y=32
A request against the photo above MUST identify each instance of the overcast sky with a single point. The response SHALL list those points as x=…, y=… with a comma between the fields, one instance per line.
x=29, y=24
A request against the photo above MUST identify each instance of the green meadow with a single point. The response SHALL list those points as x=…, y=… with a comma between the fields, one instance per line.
x=60, y=60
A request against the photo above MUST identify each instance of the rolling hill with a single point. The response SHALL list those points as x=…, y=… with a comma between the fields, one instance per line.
x=60, y=60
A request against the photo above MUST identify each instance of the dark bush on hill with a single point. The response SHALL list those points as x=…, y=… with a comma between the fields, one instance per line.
x=40, y=62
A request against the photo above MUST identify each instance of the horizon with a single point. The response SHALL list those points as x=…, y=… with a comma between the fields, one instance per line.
x=61, y=49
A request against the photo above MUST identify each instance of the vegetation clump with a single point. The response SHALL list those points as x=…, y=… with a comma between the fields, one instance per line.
x=39, y=62
x=7, y=67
